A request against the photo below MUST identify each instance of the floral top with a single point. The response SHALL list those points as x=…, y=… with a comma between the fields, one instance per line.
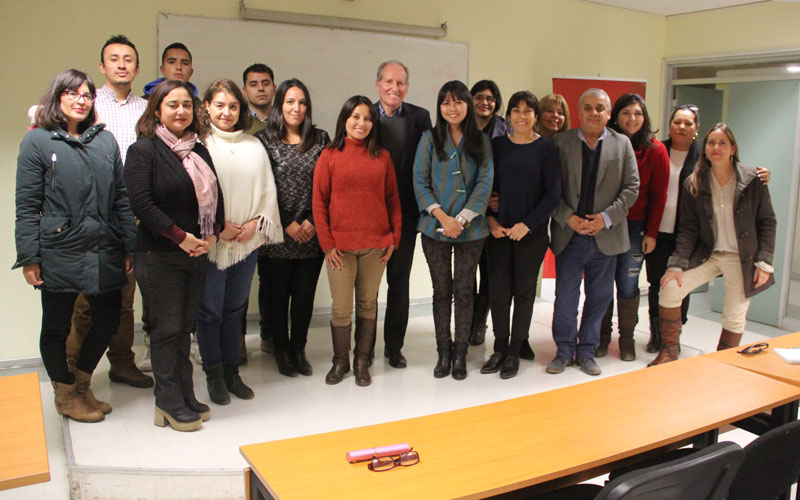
x=294, y=179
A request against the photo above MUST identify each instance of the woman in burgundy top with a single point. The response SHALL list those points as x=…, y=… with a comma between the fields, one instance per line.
x=629, y=116
x=357, y=215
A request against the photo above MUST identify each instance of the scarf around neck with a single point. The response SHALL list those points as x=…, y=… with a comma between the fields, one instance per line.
x=203, y=178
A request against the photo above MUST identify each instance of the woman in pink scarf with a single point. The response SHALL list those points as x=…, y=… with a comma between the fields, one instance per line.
x=176, y=197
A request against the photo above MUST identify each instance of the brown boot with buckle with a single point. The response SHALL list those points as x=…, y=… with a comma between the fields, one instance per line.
x=627, y=318
x=341, y=354
x=670, y=325
x=364, y=336
x=83, y=382
x=728, y=339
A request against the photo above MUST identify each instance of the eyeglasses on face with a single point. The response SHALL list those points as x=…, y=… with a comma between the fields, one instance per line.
x=754, y=349
x=487, y=98
x=76, y=96
x=380, y=464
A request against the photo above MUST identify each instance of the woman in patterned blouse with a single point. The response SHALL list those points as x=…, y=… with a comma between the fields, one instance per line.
x=292, y=268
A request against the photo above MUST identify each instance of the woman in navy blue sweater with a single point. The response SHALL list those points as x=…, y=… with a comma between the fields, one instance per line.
x=528, y=183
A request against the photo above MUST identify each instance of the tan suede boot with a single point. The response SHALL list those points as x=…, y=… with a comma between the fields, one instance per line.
x=670, y=324
x=627, y=318
x=69, y=404
x=83, y=382
x=728, y=339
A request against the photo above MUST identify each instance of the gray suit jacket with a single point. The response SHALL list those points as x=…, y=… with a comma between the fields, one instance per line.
x=616, y=190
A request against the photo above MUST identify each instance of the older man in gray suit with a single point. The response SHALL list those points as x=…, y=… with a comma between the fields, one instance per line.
x=600, y=182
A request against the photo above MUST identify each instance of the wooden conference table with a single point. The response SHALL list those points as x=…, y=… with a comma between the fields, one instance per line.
x=560, y=436
x=22, y=439
x=766, y=362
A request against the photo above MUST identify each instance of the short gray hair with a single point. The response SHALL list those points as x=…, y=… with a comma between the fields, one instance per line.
x=379, y=77
x=595, y=92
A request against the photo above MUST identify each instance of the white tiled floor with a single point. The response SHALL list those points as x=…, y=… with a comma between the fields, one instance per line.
x=285, y=407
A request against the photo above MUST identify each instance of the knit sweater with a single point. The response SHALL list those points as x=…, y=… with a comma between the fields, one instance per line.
x=653, y=163
x=248, y=188
x=355, y=201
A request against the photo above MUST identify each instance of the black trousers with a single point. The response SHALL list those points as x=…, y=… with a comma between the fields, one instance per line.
x=656, y=262
x=171, y=284
x=56, y=321
x=513, y=271
x=288, y=292
x=398, y=274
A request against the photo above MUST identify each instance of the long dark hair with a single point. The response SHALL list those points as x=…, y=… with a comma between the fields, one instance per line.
x=697, y=179
x=146, y=126
x=49, y=115
x=227, y=86
x=473, y=142
x=276, y=126
x=642, y=139
x=371, y=141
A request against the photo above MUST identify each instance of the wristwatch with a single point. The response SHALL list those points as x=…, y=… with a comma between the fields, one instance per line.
x=462, y=220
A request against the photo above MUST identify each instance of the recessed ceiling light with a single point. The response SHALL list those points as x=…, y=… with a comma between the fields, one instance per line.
x=794, y=68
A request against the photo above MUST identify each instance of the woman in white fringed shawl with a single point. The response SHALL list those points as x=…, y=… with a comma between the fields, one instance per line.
x=251, y=220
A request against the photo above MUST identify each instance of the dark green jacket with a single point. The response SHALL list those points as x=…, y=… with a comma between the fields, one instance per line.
x=73, y=213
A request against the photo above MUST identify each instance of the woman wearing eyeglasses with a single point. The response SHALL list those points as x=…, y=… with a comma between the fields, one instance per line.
x=727, y=227
x=75, y=233
x=488, y=103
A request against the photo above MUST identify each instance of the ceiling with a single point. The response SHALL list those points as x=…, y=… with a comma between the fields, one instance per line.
x=675, y=7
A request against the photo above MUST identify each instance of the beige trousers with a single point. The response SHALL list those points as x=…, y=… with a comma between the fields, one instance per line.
x=734, y=309
x=361, y=273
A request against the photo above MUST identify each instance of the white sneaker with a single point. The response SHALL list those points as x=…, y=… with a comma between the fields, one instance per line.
x=194, y=351
x=144, y=363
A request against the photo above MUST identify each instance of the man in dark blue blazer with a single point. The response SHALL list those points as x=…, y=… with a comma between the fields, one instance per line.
x=400, y=126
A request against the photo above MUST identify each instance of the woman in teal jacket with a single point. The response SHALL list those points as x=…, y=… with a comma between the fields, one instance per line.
x=452, y=180
x=75, y=233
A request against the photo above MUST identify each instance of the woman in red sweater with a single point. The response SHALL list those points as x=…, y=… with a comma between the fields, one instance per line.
x=629, y=116
x=357, y=214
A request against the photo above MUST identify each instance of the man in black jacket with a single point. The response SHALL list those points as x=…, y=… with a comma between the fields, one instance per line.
x=400, y=126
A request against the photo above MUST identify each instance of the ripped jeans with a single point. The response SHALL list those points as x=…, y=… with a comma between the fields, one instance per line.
x=629, y=264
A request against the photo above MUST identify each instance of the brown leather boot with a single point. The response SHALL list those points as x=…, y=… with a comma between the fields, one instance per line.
x=728, y=339
x=70, y=404
x=670, y=325
x=341, y=354
x=83, y=382
x=364, y=336
x=605, y=332
x=627, y=318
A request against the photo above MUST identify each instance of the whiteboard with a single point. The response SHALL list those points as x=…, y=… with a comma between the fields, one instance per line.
x=333, y=63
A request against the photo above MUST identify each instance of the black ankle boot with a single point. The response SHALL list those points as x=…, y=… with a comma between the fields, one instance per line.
x=460, y=360
x=442, y=368
x=217, y=391
x=234, y=383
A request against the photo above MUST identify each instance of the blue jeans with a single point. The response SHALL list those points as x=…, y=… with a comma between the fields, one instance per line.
x=219, y=317
x=629, y=264
x=581, y=259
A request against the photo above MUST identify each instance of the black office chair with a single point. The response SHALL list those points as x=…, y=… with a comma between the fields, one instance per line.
x=704, y=475
x=771, y=464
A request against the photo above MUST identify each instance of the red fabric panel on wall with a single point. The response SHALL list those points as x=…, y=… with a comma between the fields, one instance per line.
x=572, y=88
